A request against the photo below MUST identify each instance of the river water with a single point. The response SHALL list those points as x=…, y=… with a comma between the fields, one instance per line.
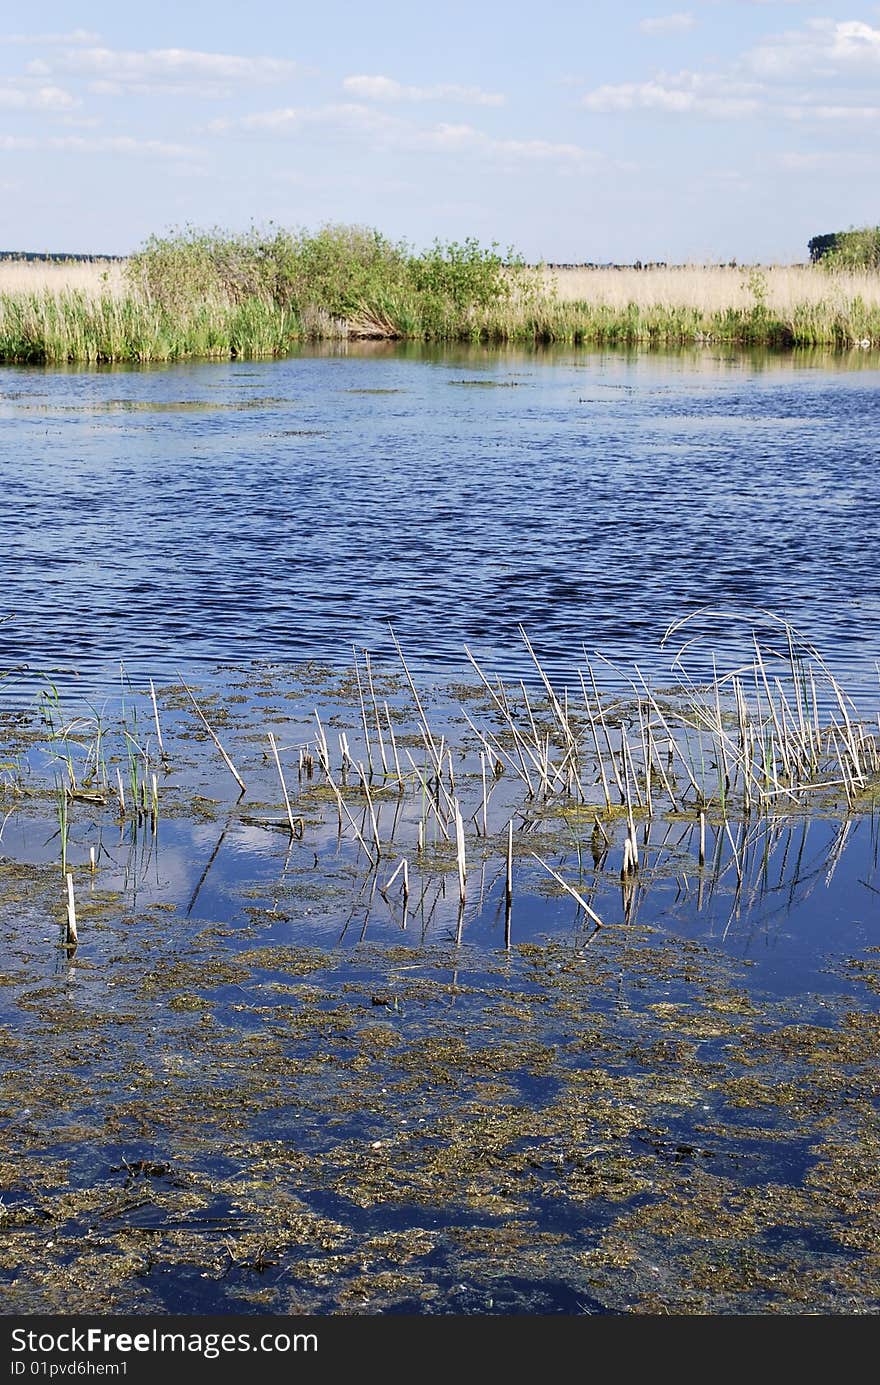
x=273, y=1074
x=200, y=514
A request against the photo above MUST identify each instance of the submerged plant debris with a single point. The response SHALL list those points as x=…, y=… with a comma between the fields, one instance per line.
x=349, y=1042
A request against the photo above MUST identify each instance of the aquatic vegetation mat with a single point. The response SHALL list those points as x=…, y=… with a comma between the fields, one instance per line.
x=397, y=1030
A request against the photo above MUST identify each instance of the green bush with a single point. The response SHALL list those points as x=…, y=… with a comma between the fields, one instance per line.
x=857, y=248
x=343, y=269
x=345, y=273
x=191, y=265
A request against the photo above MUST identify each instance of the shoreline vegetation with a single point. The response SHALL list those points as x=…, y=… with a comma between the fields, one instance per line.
x=195, y=294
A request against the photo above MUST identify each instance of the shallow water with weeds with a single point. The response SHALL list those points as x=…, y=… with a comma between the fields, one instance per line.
x=476, y=998
x=266, y=1080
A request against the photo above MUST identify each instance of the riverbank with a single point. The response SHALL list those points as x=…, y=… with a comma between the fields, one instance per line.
x=178, y=300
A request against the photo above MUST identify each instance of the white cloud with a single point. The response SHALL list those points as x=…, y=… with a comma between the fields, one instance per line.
x=50, y=40
x=466, y=139
x=30, y=98
x=379, y=130
x=841, y=162
x=121, y=144
x=682, y=93
x=823, y=49
x=286, y=120
x=807, y=112
x=387, y=89
x=824, y=71
x=101, y=144
x=678, y=23
x=200, y=91
x=180, y=65
x=80, y=122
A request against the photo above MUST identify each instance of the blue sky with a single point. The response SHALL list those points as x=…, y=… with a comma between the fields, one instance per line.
x=686, y=131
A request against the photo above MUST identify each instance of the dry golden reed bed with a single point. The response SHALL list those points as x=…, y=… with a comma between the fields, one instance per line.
x=714, y=288
x=92, y=277
x=709, y=288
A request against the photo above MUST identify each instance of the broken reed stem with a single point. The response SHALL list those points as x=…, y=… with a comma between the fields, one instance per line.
x=460, y=857
x=230, y=766
x=401, y=867
x=156, y=719
x=602, y=723
x=426, y=730
x=554, y=701
x=499, y=700
x=393, y=744
x=290, y=817
x=376, y=714
x=322, y=747
x=375, y=825
x=429, y=797
x=357, y=674
x=575, y=894
x=342, y=806
x=599, y=761
x=627, y=866
x=71, y=936
x=508, y=888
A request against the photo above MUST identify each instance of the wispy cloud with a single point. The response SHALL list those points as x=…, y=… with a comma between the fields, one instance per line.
x=823, y=49
x=677, y=23
x=17, y=97
x=350, y=116
x=387, y=89
x=806, y=111
x=100, y=144
x=51, y=40
x=465, y=139
x=837, y=162
x=681, y=93
x=826, y=70
x=198, y=91
x=380, y=130
x=126, y=67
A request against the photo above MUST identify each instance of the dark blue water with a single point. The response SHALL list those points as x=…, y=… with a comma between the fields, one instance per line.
x=213, y=514
x=199, y=514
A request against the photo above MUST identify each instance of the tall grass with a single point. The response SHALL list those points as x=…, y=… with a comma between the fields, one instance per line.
x=73, y=327
x=212, y=294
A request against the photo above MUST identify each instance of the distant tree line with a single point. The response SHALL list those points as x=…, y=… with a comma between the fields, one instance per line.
x=56, y=258
x=857, y=248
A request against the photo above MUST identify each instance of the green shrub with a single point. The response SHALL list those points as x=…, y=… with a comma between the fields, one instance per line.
x=343, y=269
x=344, y=273
x=857, y=248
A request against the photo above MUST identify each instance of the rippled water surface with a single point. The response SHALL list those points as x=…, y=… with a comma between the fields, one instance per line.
x=215, y=512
